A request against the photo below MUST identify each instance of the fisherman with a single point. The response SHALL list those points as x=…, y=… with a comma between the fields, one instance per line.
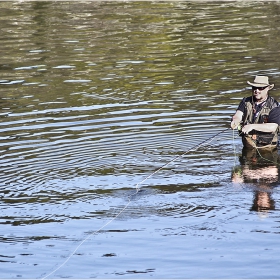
x=258, y=116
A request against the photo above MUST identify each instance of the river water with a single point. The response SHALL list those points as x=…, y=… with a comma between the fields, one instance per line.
x=95, y=98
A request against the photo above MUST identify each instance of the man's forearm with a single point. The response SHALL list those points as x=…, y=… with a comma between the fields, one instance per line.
x=264, y=127
x=236, y=119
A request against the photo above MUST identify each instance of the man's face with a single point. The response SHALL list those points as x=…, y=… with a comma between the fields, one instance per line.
x=260, y=93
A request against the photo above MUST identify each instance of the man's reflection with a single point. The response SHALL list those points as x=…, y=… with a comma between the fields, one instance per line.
x=259, y=168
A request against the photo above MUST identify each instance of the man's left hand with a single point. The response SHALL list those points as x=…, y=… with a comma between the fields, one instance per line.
x=247, y=128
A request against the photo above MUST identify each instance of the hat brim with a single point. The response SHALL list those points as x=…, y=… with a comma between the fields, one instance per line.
x=260, y=85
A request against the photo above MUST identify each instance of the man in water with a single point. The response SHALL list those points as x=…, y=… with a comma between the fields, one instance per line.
x=258, y=116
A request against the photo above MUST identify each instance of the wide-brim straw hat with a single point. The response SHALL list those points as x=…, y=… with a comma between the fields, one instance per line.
x=260, y=81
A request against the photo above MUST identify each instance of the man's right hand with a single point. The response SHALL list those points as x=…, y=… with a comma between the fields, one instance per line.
x=234, y=125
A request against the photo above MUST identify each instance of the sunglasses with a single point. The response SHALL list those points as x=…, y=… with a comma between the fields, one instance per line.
x=259, y=88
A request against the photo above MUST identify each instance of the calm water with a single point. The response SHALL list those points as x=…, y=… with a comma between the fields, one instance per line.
x=96, y=96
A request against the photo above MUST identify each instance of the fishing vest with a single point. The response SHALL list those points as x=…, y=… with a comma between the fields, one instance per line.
x=259, y=138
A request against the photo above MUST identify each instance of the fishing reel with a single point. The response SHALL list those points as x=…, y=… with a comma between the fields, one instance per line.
x=239, y=129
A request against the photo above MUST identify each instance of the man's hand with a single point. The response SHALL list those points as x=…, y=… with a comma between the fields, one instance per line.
x=234, y=124
x=247, y=128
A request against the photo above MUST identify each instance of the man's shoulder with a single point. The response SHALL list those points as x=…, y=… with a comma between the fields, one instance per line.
x=276, y=109
x=272, y=102
x=247, y=99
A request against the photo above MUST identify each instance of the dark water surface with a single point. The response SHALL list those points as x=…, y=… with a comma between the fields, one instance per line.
x=96, y=96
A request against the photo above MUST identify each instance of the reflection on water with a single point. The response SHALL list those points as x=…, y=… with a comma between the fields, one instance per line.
x=261, y=169
x=94, y=97
x=263, y=201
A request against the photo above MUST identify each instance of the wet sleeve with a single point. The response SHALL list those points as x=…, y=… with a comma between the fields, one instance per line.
x=274, y=115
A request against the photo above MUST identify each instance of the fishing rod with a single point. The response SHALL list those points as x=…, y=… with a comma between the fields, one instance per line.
x=137, y=189
x=194, y=148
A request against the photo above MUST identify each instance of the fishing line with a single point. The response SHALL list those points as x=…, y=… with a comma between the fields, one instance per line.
x=266, y=159
x=137, y=189
x=235, y=155
x=234, y=149
x=194, y=148
x=85, y=239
